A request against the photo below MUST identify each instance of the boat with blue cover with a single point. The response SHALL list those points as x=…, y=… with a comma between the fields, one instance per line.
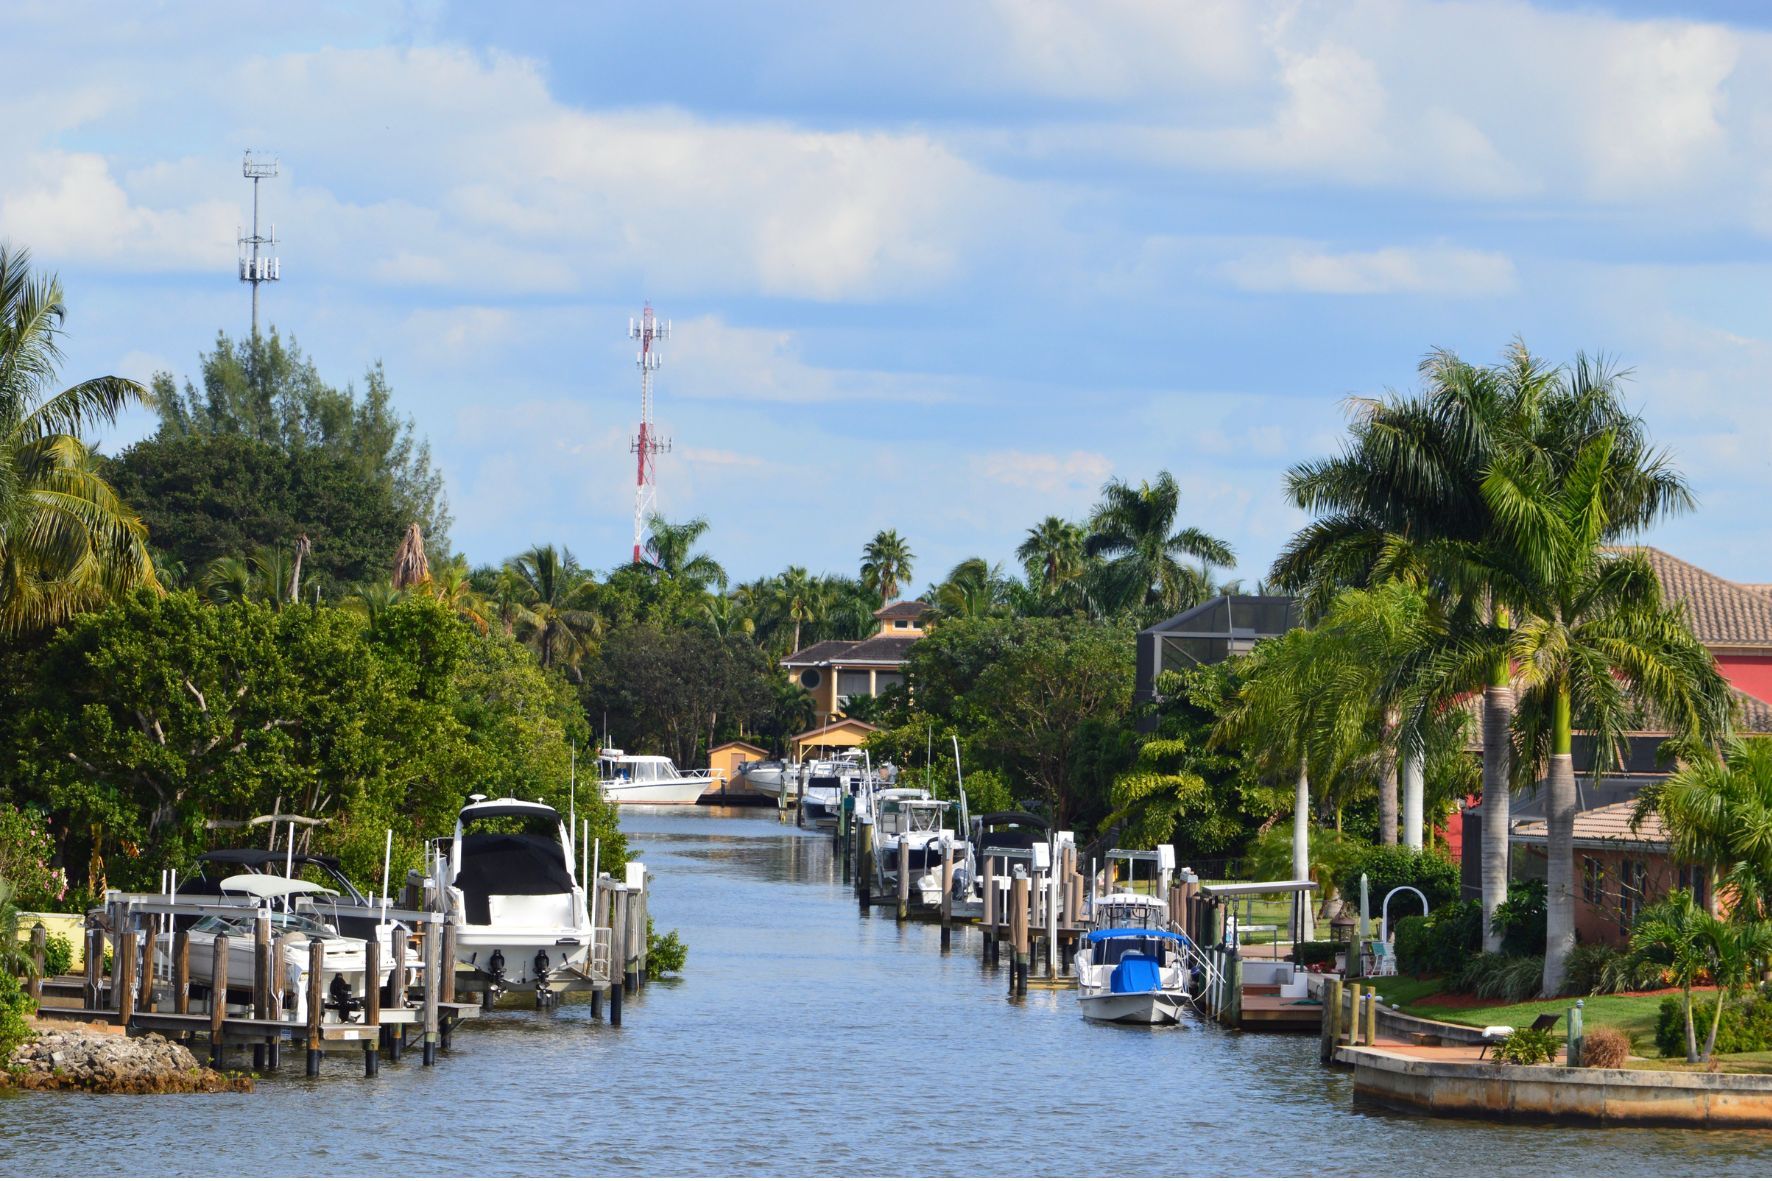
x=1130, y=969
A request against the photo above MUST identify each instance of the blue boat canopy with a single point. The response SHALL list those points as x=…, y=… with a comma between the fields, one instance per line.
x=1134, y=933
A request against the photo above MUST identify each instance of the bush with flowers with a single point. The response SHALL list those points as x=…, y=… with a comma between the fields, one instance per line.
x=26, y=853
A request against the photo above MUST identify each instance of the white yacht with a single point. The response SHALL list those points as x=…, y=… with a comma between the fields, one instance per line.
x=650, y=779
x=824, y=783
x=768, y=776
x=1130, y=968
x=909, y=816
x=513, y=890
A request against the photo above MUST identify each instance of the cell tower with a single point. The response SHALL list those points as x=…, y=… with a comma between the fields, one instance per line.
x=256, y=268
x=647, y=444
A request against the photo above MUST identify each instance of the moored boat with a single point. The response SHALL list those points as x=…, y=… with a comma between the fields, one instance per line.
x=1130, y=969
x=650, y=779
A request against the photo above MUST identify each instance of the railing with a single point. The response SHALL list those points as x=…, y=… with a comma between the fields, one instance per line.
x=600, y=950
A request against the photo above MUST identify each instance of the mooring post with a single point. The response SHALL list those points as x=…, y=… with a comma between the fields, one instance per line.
x=372, y=1005
x=1353, y=1021
x=446, y=983
x=124, y=988
x=947, y=894
x=1372, y=1015
x=1233, y=988
x=1572, y=1037
x=39, y=953
x=1331, y=1027
x=618, y=909
x=432, y=989
x=181, y=972
x=397, y=995
x=1019, y=915
x=218, y=1001
x=144, y=1001
x=864, y=863
x=261, y=982
x=280, y=947
x=988, y=920
x=904, y=878
x=316, y=1003
x=94, y=965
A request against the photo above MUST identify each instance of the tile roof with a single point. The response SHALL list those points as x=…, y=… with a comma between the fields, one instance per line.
x=820, y=652
x=1756, y=715
x=904, y=609
x=1604, y=827
x=880, y=650
x=1723, y=614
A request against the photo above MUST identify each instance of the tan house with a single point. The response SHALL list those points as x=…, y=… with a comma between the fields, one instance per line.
x=832, y=736
x=835, y=670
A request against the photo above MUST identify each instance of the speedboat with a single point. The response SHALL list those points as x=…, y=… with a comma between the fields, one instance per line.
x=768, y=777
x=344, y=962
x=908, y=816
x=513, y=890
x=1009, y=836
x=650, y=779
x=826, y=782
x=1130, y=969
x=347, y=911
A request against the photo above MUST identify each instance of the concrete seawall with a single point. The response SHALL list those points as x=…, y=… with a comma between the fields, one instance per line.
x=1560, y=1093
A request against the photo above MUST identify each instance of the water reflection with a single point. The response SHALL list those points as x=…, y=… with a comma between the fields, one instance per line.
x=809, y=1038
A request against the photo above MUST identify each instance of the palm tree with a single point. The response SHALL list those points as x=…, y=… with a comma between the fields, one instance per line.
x=1134, y=530
x=227, y=580
x=1052, y=554
x=1672, y=933
x=1718, y=813
x=67, y=543
x=1593, y=642
x=973, y=589
x=885, y=563
x=452, y=586
x=798, y=598
x=672, y=548
x=556, y=623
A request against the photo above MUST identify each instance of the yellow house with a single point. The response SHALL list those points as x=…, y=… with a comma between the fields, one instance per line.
x=835, y=670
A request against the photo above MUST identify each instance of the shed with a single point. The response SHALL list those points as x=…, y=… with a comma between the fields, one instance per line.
x=725, y=758
x=838, y=735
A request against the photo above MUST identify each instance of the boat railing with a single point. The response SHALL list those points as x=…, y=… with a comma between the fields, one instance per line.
x=601, y=941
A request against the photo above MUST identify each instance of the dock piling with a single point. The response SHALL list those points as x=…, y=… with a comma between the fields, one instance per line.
x=218, y=1000
x=1019, y=903
x=988, y=924
x=144, y=1002
x=261, y=981
x=947, y=895
x=432, y=990
x=864, y=862
x=316, y=1002
x=446, y=981
x=123, y=990
x=372, y=1006
x=95, y=960
x=39, y=950
x=181, y=972
x=904, y=879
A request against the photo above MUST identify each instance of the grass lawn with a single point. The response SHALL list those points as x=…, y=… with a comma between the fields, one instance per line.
x=1635, y=1015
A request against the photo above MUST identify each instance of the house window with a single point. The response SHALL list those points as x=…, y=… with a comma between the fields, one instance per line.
x=851, y=683
x=810, y=678
x=1593, y=880
x=1697, y=880
x=1633, y=881
x=901, y=624
x=885, y=681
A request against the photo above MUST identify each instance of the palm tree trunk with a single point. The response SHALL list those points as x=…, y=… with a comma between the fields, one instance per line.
x=1559, y=870
x=1498, y=711
x=1691, y=1034
x=1412, y=791
x=1716, y=1019
x=1301, y=841
x=1387, y=801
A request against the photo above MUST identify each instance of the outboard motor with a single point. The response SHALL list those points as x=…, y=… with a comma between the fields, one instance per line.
x=342, y=1002
x=544, y=996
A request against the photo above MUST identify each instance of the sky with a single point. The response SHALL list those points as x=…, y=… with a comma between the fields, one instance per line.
x=938, y=267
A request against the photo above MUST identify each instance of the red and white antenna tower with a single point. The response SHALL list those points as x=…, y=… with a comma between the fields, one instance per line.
x=647, y=444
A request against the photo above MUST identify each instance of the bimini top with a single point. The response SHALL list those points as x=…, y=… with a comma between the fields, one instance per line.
x=492, y=809
x=1134, y=933
x=1027, y=819
x=270, y=885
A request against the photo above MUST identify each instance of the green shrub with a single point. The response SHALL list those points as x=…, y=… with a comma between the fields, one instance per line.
x=1520, y=919
x=1595, y=969
x=1320, y=951
x=1528, y=1047
x=665, y=954
x=1507, y=977
x=1746, y=1025
x=1389, y=866
x=58, y=955
x=1440, y=943
x=1604, y=1048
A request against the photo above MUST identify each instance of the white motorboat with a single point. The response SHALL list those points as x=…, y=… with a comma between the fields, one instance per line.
x=1130, y=969
x=513, y=890
x=824, y=783
x=768, y=777
x=650, y=779
x=908, y=816
x=345, y=963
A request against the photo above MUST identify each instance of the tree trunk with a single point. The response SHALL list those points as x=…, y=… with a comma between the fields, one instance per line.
x=1691, y=1034
x=1412, y=791
x=1301, y=840
x=1716, y=1019
x=1498, y=710
x=1387, y=801
x=1559, y=872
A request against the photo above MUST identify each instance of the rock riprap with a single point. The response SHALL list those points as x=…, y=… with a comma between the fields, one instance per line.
x=111, y=1064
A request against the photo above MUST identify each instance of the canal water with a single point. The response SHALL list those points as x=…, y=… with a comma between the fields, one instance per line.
x=808, y=1038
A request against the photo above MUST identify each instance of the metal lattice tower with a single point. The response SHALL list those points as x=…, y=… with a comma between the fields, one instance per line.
x=647, y=445
x=257, y=266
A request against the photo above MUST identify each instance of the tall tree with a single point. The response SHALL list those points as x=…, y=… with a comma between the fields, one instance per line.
x=1134, y=530
x=1718, y=814
x=886, y=562
x=1052, y=554
x=67, y=542
x=554, y=619
x=673, y=551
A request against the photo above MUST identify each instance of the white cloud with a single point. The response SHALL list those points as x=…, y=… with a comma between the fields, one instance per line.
x=1436, y=270
x=1078, y=471
x=711, y=359
x=68, y=205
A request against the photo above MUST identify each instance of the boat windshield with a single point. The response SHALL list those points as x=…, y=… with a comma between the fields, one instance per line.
x=902, y=816
x=641, y=770
x=1110, y=951
x=282, y=923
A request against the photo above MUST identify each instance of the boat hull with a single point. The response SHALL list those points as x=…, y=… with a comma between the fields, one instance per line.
x=568, y=963
x=688, y=790
x=1162, y=1007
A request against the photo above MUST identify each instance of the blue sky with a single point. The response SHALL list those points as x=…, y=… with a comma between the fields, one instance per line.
x=943, y=268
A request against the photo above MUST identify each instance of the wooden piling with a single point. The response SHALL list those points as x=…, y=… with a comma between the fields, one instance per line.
x=261, y=981
x=1371, y=1015
x=618, y=906
x=1233, y=988
x=1331, y=1032
x=144, y=1001
x=1353, y=1021
x=316, y=1003
x=989, y=921
x=904, y=878
x=95, y=959
x=124, y=988
x=218, y=1001
x=181, y=972
x=372, y=1006
x=1018, y=934
x=39, y=954
x=432, y=945
x=947, y=894
x=864, y=862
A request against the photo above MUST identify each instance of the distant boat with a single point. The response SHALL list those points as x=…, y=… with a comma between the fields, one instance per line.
x=768, y=777
x=1130, y=970
x=909, y=817
x=650, y=779
x=824, y=784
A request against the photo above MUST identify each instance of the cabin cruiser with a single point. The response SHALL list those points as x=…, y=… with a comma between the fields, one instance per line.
x=769, y=777
x=344, y=962
x=345, y=910
x=824, y=783
x=1131, y=969
x=513, y=890
x=1009, y=837
x=650, y=779
x=908, y=816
